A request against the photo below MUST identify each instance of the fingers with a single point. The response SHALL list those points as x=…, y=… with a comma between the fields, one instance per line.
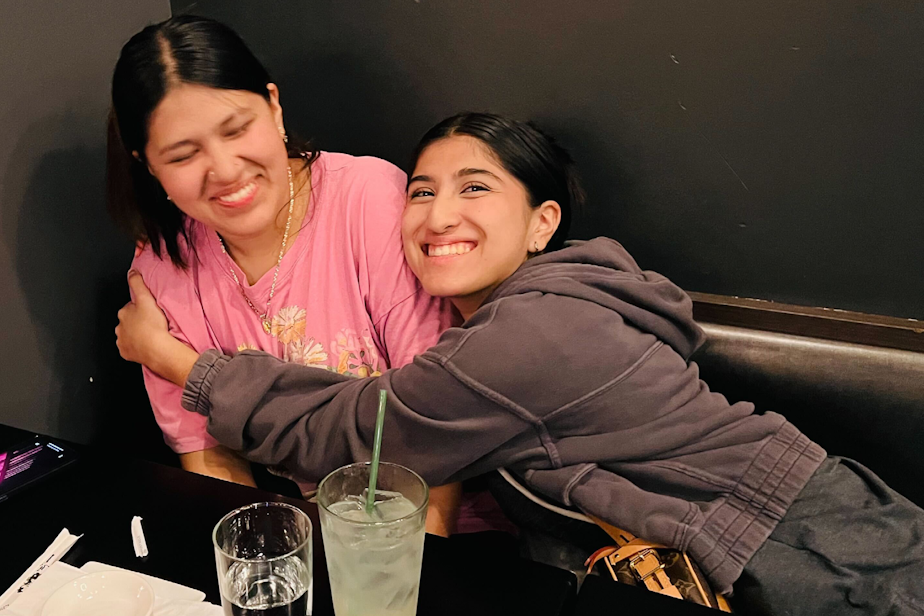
x=122, y=351
x=124, y=313
x=124, y=310
x=139, y=290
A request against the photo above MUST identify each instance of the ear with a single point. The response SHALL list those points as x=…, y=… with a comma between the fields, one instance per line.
x=546, y=219
x=275, y=107
x=147, y=165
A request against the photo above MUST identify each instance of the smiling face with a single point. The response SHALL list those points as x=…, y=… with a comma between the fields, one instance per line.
x=468, y=224
x=220, y=157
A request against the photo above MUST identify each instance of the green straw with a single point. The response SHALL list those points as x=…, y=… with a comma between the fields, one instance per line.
x=376, y=452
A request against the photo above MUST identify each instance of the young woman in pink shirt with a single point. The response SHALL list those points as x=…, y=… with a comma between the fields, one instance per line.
x=251, y=239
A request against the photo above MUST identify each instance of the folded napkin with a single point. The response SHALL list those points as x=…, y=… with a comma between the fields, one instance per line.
x=169, y=599
x=58, y=548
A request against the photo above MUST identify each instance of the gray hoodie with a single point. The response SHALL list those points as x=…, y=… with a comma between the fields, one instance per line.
x=574, y=374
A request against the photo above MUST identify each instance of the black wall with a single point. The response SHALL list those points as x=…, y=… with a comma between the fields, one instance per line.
x=62, y=265
x=768, y=150
x=759, y=149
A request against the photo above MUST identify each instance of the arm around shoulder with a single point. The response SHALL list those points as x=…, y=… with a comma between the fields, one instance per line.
x=312, y=421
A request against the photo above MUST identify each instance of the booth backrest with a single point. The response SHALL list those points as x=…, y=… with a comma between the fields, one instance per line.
x=859, y=401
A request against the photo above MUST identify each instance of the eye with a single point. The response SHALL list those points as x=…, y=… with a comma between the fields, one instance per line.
x=182, y=158
x=234, y=132
x=471, y=188
x=421, y=192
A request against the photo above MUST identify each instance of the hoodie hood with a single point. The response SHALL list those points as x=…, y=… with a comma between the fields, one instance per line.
x=603, y=272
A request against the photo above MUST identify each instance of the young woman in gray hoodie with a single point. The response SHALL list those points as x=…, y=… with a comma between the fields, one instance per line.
x=571, y=371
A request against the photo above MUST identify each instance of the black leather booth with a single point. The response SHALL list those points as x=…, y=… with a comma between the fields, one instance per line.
x=856, y=400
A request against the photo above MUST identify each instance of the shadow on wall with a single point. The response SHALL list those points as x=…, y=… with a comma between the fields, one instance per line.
x=602, y=168
x=71, y=264
x=345, y=104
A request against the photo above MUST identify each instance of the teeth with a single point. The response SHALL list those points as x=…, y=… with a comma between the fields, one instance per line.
x=443, y=250
x=239, y=195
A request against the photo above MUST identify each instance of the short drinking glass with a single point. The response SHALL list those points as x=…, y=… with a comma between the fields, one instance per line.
x=263, y=555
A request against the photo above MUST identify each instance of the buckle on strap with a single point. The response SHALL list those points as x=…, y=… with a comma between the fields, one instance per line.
x=645, y=564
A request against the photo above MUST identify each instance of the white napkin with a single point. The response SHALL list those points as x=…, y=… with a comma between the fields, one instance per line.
x=58, y=548
x=169, y=599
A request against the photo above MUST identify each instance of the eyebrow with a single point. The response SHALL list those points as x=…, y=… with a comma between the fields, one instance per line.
x=459, y=174
x=176, y=146
x=188, y=142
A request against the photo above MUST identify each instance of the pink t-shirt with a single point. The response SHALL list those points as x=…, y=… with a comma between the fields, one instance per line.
x=345, y=299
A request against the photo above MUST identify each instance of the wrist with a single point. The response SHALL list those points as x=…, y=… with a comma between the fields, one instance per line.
x=173, y=360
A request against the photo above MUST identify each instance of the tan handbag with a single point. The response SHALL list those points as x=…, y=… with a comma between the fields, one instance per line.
x=658, y=568
x=635, y=561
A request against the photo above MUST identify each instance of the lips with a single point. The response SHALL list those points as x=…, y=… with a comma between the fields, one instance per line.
x=448, y=250
x=239, y=197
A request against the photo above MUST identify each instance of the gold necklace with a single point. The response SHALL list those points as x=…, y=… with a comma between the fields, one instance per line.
x=264, y=318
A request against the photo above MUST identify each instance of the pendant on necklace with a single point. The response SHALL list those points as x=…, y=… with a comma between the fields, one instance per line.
x=266, y=326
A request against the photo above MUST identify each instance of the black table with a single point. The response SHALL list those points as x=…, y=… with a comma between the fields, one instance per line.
x=600, y=596
x=98, y=495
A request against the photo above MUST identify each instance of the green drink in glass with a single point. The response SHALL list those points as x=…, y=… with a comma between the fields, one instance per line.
x=373, y=557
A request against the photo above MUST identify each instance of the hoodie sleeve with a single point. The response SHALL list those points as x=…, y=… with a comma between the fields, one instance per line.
x=313, y=421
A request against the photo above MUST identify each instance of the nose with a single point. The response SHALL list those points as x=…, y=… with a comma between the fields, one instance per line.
x=444, y=214
x=225, y=166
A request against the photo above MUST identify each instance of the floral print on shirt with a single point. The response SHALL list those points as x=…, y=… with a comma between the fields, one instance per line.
x=356, y=354
x=288, y=325
x=350, y=353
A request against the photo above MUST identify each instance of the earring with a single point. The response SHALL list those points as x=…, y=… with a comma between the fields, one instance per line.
x=535, y=246
x=282, y=133
x=168, y=198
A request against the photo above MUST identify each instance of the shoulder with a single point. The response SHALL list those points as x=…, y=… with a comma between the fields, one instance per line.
x=160, y=269
x=157, y=271
x=177, y=293
x=541, y=350
x=543, y=330
x=519, y=348
x=365, y=173
x=543, y=323
x=161, y=276
x=368, y=194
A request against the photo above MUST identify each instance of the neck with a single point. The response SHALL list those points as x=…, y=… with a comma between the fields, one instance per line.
x=467, y=305
x=258, y=254
x=255, y=255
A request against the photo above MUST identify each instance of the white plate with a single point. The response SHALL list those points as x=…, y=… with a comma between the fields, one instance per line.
x=106, y=593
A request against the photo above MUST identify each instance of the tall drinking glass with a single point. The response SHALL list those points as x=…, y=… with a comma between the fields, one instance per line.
x=373, y=560
x=263, y=556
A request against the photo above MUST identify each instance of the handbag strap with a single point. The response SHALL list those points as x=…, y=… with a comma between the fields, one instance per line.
x=620, y=536
x=644, y=562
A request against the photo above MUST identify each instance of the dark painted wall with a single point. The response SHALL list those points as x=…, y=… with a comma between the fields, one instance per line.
x=760, y=149
x=62, y=264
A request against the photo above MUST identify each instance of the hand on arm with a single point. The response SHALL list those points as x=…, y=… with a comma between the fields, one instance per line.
x=143, y=336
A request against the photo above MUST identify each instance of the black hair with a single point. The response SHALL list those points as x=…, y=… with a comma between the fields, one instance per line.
x=181, y=50
x=544, y=168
